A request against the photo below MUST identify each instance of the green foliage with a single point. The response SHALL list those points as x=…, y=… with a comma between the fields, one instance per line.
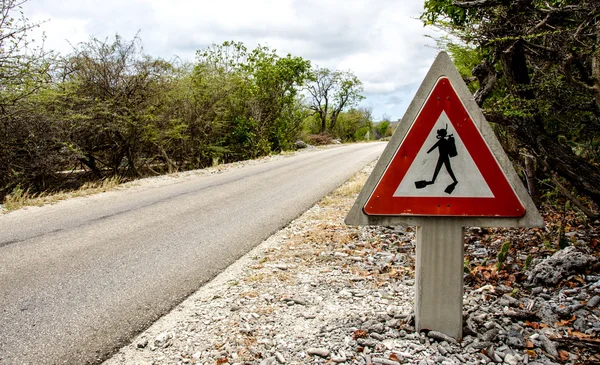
x=538, y=61
x=436, y=9
x=383, y=128
x=353, y=125
x=109, y=102
x=502, y=254
x=362, y=134
x=27, y=147
x=245, y=103
x=465, y=58
x=528, y=262
x=108, y=110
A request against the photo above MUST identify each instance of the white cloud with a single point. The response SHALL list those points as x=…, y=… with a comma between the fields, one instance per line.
x=381, y=41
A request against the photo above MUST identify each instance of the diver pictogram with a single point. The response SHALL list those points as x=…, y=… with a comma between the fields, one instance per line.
x=446, y=146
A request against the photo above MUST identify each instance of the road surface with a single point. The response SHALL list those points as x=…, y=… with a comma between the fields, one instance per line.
x=80, y=278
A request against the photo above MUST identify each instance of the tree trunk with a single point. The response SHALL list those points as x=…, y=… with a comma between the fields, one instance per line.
x=515, y=68
x=596, y=66
x=560, y=158
x=172, y=167
x=531, y=131
x=117, y=159
x=131, y=162
x=486, y=75
x=90, y=162
x=333, y=121
x=531, y=178
x=584, y=176
x=323, y=119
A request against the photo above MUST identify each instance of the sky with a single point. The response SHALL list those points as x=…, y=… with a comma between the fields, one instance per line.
x=382, y=42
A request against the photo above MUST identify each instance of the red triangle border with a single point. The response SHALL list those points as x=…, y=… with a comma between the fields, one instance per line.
x=443, y=97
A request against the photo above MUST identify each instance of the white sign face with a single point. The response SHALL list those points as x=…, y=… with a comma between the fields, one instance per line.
x=421, y=181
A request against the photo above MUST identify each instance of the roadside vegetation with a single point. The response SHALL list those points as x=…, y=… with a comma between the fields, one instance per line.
x=109, y=111
x=534, y=68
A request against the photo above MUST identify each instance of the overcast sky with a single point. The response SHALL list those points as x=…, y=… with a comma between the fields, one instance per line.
x=382, y=41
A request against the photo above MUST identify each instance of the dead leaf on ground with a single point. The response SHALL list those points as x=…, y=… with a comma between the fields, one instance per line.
x=360, y=334
x=563, y=355
x=566, y=322
x=222, y=360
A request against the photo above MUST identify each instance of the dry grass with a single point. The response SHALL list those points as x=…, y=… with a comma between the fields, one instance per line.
x=347, y=191
x=352, y=188
x=258, y=277
x=285, y=277
x=249, y=294
x=20, y=198
x=265, y=311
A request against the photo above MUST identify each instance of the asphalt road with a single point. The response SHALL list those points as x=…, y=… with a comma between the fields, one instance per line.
x=80, y=278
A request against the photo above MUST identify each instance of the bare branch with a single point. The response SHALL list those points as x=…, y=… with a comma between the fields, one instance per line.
x=486, y=75
x=571, y=78
x=562, y=9
x=539, y=25
x=498, y=118
x=475, y=3
x=574, y=199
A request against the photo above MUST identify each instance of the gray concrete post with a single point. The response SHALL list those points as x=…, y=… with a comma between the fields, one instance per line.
x=439, y=276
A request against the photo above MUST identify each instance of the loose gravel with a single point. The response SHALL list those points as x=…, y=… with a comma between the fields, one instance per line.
x=320, y=292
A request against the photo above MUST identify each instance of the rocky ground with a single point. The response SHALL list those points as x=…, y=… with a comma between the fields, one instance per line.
x=321, y=292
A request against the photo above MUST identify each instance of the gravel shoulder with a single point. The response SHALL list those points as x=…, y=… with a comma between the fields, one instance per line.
x=319, y=291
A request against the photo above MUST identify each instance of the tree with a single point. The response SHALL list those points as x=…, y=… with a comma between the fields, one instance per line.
x=539, y=77
x=275, y=83
x=383, y=128
x=108, y=99
x=354, y=124
x=330, y=93
x=23, y=68
x=252, y=99
x=25, y=143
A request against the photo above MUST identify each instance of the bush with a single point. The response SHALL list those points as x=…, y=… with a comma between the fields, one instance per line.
x=319, y=139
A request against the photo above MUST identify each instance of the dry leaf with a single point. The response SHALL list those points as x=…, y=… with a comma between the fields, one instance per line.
x=566, y=322
x=579, y=335
x=360, y=334
x=563, y=355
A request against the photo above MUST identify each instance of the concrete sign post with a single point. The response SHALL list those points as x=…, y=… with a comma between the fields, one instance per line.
x=443, y=170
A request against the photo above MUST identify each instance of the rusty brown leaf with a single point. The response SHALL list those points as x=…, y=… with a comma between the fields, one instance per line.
x=360, y=334
x=563, y=355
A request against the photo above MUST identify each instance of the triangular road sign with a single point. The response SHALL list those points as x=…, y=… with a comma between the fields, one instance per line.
x=444, y=161
x=484, y=189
